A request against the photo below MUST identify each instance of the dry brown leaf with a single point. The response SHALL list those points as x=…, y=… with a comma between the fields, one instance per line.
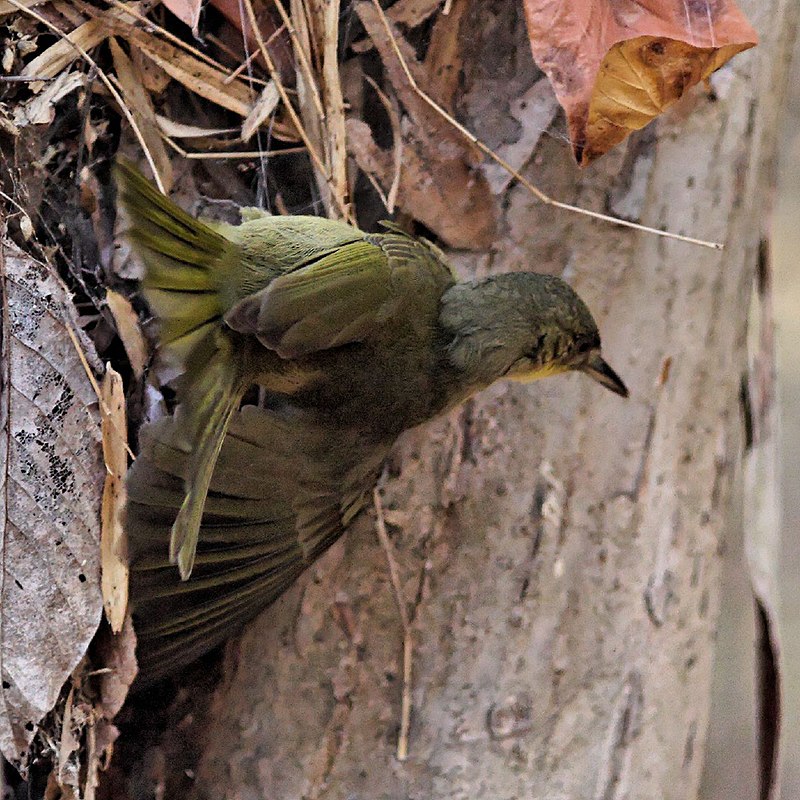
x=7, y=8
x=114, y=654
x=69, y=11
x=113, y=543
x=404, y=12
x=40, y=109
x=443, y=57
x=62, y=53
x=187, y=11
x=117, y=654
x=327, y=14
x=412, y=12
x=154, y=79
x=69, y=744
x=440, y=184
x=195, y=75
x=614, y=67
x=280, y=46
x=263, y=108
x=51, y=476
x=141, y=107
x=129, y=330
x=178, y=130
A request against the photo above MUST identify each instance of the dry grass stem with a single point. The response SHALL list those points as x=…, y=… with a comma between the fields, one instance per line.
x=236, y=154
x=538, y=193
x=334, y=108
x=408, y=644
x=237, y=73
x=113, y=542
x=232, y=76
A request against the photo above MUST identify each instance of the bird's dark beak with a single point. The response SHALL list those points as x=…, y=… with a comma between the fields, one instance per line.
x=595, y=367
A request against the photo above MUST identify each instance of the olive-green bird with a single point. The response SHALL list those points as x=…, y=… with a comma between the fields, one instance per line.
x=355, y=337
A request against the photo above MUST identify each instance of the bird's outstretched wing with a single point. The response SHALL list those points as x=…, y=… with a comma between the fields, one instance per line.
x=283, y=490
x=342, y=297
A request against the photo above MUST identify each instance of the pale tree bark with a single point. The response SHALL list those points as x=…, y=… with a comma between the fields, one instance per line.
x=557, y=547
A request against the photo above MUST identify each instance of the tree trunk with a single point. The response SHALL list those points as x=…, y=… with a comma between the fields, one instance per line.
x=557, y=546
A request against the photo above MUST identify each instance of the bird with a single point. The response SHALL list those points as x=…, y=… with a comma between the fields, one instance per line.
x=353, y=338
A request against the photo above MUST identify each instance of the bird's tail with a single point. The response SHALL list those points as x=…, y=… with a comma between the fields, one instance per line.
x=187, y=267
x=187, y=264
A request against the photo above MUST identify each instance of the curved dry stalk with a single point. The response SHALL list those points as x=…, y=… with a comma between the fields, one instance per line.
x=405, y=622
x=230, y=155
x=536, y=192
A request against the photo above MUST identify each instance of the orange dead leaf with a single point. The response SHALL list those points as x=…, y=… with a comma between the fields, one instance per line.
x=617, y=64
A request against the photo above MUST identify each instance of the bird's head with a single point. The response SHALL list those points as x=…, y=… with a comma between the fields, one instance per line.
x=522, y=326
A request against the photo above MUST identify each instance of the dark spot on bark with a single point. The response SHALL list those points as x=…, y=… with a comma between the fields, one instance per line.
x=511, y=717
x=702, y=608
x=82, y=578
x=746, y=406
x=688, y=749
x=657, y=48
x=763, y=268
x=769, y=701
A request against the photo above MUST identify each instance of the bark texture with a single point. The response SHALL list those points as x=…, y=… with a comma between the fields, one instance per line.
x=558, y=547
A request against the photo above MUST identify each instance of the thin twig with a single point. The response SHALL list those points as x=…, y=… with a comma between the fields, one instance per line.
x=379, y=190
x=538, y=193
x=408, y=644
x=13, y=202
x=232, y=155
x=25, y=79
x=103, y=78
x=95, y=386
x=246, y=64
x=232, y=76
